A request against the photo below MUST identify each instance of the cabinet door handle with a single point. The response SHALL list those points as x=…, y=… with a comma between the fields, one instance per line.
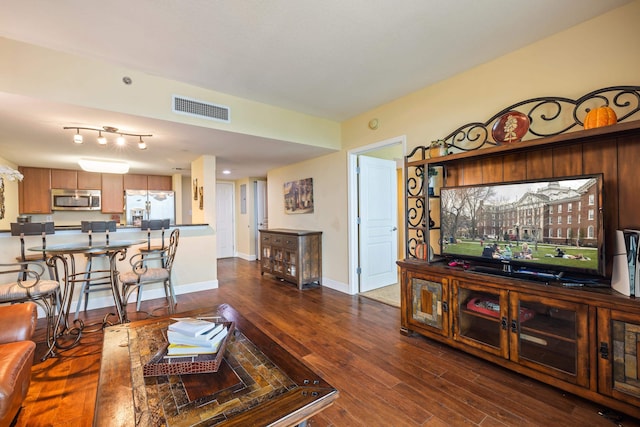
x=514, y=326
x=445, y=306
x=604, y=350
x=503, y=323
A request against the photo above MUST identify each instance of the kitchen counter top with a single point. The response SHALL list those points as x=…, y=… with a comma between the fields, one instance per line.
x=119, y=227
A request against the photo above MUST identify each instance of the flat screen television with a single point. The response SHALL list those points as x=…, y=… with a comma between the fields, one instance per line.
x=547, y=227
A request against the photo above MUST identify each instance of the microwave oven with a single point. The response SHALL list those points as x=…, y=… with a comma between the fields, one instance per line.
x=75, y=200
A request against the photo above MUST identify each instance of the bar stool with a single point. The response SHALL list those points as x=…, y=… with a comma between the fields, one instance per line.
x=154, y=225
x=23, y=229
x=158, y=250
x=141, y=274
x=89, y=285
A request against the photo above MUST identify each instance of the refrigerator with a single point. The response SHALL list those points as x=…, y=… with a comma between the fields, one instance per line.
x=149, y=204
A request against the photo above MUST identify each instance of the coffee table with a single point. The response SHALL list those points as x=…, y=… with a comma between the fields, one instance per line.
x=259, y=382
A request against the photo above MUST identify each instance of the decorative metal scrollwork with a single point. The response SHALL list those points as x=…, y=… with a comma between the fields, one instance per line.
x=416, y=214
x=415, y=183
x=549, y=116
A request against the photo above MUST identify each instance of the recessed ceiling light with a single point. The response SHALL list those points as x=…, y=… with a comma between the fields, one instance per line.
x=103, y=166
x=226, y=172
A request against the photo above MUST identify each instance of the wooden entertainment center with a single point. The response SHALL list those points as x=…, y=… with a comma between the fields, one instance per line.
x=582, y=340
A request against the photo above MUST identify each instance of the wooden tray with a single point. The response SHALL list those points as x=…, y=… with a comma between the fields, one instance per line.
x=203, y=363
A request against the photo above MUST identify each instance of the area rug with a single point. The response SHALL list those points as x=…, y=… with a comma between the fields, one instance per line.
x=388, y=294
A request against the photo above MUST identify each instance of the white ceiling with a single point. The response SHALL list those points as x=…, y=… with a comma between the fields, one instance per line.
x=332, y=58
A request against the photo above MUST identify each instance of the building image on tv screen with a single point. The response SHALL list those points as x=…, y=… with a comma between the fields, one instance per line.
x=551, y=223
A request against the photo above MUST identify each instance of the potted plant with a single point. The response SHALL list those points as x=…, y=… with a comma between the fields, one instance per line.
x=438, y=148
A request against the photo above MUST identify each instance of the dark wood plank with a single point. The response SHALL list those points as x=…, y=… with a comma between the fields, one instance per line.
x=515, y=167
x=567, y=161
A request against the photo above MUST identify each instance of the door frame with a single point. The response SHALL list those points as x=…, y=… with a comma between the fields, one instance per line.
x=352, y=196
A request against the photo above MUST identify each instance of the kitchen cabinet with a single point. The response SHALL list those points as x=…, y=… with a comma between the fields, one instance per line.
x=75, y=180
x=65, y=179
x=89, y=180
x=159, y=182
x=112, y=193
x=34, y=191
x=148, y=182
x=134, y=181
x=292, y=255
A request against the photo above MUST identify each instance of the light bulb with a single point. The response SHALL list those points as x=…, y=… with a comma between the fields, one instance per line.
x=101, y=139
x=120, y=140
x=77, y=138
x=142, y=145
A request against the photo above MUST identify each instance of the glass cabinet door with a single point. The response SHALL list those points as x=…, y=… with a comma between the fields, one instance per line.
x=278, y=259
x=265, y=258
x=429, y=306
x=291, y=263
x=548, y=335
x=481, y=315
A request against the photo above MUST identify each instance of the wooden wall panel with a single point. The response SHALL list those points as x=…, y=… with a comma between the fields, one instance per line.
x=601, y=158
x=472, y=172
x=538, y=165
x=629, y=184
x=492, y=170
x=515, y=167
x=453, y=176
x=567, y=161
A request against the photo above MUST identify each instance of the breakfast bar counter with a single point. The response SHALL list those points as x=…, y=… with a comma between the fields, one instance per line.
x=194, y=268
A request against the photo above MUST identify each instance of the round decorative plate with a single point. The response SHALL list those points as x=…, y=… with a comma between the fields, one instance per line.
x=510, y=127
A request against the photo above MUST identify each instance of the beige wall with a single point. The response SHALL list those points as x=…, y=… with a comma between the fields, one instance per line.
x=599, y=53
x=329, y=175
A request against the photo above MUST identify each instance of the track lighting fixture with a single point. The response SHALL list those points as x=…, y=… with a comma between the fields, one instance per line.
x=102, y=140
x=77, y=138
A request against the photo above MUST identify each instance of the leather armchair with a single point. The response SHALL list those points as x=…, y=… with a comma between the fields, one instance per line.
x=17, y=325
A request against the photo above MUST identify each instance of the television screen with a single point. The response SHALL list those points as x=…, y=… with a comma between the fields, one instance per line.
x=543, y=225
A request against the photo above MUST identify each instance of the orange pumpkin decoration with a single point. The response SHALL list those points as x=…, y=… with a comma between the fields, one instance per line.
x=422, y=251
x=601, y=116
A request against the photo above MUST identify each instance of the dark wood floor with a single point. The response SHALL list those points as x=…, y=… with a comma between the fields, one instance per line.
x=384, y=378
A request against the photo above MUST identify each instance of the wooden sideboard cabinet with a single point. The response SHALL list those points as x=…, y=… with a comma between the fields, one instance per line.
x=292, y=255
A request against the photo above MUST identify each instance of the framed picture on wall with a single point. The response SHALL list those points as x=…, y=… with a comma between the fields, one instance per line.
x=298, y=196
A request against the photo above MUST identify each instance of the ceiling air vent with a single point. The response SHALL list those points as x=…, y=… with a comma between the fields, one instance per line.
x=195, y=108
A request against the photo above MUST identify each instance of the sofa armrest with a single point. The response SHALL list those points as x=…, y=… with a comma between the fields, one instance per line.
x=18, y=322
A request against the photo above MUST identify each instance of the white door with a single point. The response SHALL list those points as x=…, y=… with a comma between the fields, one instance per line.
x=262, y=219
x=224, y=219
x=378, y=231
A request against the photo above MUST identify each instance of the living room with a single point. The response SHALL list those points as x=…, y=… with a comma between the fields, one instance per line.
x=600, y=52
